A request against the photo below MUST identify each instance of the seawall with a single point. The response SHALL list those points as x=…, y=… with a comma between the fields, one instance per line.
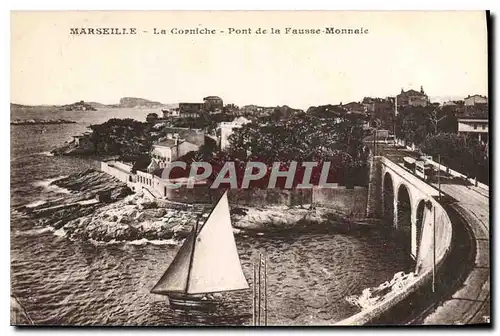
x=348, y=201
x=443, y=240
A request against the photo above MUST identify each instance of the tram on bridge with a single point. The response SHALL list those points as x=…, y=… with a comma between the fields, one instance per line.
x=420, y=167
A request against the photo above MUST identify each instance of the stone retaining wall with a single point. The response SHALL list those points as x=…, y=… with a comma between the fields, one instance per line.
x=443, y=243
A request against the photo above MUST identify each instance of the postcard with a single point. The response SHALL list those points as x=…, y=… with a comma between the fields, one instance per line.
x=249, y=168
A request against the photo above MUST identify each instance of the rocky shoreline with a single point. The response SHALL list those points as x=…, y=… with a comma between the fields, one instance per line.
x=71, y=148
x=41, y=121
x=125, y=216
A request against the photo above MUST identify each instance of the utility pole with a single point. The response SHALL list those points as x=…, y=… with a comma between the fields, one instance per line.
x=375, y=126
x=395, y=117
x=434, y=250
x=439, y=176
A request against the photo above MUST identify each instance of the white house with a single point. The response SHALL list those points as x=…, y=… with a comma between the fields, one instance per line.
x=168, y=113
x=169, y=150
x=475, y=99
x=477, y=127
x=227, y=128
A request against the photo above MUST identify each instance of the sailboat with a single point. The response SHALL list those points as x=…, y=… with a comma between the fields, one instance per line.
x=206, y=263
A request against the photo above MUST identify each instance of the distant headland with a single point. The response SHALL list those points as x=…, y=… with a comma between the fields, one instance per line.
x=125, y=102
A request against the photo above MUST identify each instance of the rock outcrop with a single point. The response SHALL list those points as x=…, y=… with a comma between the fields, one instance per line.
x=41, y=121
x=132, y=102
x=126, y=216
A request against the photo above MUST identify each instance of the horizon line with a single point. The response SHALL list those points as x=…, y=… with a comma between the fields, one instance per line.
x=432, y=99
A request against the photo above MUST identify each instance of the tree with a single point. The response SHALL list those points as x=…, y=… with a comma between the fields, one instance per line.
x=414, y=124
x=459, y=152
x=123, y=137
x=303, y=137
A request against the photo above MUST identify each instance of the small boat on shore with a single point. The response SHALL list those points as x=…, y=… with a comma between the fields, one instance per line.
x=206, y=265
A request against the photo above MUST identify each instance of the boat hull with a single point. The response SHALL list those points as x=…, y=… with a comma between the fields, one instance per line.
x=191, y=303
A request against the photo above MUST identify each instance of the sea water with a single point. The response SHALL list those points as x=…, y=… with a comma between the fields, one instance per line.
x=310, y=276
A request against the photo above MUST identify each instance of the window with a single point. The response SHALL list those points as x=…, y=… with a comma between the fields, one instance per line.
x=475, y=126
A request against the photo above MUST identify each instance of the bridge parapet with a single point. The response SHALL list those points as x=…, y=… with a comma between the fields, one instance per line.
x=431, y=235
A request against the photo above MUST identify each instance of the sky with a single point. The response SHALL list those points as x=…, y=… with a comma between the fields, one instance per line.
x=445, y=52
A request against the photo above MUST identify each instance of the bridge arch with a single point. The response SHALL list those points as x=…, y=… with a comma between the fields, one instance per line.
x=404, y=216
x=419, y=226
x=404, y=208
x=388, y=199
x=411, y=209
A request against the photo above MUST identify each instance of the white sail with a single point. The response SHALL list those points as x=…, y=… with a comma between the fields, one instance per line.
x=212, y=264
x=175, y=277
x=216, y=266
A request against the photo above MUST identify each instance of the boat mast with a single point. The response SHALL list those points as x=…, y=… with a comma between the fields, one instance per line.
x=260, y=289
x=254, y=297
x=194, y=233
x=265, y=289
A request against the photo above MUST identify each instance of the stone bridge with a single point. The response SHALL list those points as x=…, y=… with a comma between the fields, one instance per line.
x=404, y=202
x=409, y=205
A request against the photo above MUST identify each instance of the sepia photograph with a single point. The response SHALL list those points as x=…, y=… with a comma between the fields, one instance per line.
x=249, y=168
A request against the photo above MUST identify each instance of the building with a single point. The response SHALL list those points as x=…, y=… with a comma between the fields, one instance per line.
x=169, y=150
x=354, y=107
x=231, y=109
x=192, y=135
x=252, y=109
x=170, y=113
x=412, y=98
x=474, y=127
x=227, y=128
x=213, y=103
x=83, y=142
x=475, y=100
x=378, y=106
x=190, y=110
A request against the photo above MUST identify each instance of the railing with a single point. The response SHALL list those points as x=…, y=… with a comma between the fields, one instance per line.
x=454, y=173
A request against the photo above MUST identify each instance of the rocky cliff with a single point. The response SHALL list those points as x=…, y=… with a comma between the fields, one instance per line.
x=132, y=102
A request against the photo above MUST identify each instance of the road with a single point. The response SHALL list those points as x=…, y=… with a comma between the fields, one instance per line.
x=473, y=199
x=471, y=303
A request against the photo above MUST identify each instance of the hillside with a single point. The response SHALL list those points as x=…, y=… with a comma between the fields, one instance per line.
x=79, y=106
x=97, y=105
x=138, y=102
x=125, y=102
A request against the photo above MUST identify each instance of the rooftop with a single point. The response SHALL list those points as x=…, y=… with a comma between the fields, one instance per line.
x=168, y=143
x=412, y=92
